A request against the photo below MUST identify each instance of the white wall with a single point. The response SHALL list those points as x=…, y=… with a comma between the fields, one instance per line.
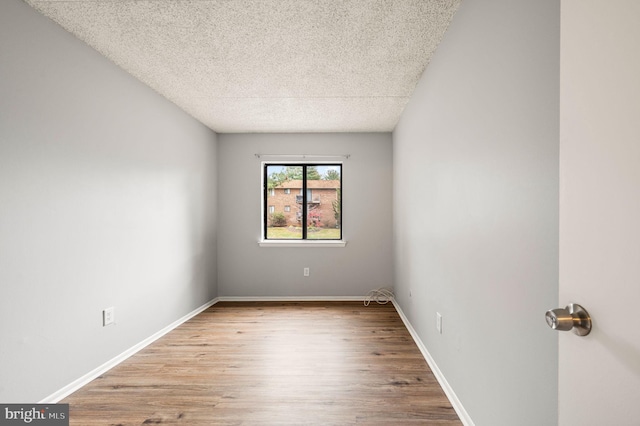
x=599, y=210
x=107, y=198
x=476, y=209
x=365, y=263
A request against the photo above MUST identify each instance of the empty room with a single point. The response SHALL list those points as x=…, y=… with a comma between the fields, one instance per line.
x=308, y=212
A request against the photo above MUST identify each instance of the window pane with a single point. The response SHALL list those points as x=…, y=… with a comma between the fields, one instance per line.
x=324, y=203
x=283, y=224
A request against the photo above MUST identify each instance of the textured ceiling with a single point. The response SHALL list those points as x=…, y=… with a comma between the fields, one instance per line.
x=268, y=65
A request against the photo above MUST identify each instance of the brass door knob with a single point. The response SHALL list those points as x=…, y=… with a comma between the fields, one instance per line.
x=573, y=317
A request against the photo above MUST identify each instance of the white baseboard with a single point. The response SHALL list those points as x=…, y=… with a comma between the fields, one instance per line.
x=82, y=381
x=292, y=299
x=448, y=390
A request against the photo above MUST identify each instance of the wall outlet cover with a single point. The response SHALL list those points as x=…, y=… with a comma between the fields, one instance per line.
x=108, y=316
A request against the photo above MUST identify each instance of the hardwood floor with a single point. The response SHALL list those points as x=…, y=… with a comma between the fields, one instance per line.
x=303, y=363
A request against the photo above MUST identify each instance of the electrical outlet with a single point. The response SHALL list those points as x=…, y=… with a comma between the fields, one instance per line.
x=306, y=272
x=108, y=316
x=439, y=322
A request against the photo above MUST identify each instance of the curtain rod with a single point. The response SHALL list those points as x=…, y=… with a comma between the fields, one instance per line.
x=303, y=156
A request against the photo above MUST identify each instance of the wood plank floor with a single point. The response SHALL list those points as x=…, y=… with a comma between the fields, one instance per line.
x=305, y=363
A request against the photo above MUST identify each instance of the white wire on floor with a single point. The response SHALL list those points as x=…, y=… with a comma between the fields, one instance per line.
x=382, y=296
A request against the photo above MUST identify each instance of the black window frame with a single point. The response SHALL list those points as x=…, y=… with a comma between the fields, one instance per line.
x=265, y=203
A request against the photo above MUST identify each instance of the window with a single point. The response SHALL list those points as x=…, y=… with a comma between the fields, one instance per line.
x=317, y=213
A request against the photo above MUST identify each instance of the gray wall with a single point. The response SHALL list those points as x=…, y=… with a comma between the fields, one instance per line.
x=476, y=209
x=107, y=198
x=245, y=269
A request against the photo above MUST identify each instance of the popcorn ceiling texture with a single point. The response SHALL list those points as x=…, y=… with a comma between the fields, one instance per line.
x=268, y=65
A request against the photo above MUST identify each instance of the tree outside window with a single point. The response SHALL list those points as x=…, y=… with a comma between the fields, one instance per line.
x=306, y=200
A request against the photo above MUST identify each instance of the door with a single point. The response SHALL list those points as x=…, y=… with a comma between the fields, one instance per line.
x=599, y=374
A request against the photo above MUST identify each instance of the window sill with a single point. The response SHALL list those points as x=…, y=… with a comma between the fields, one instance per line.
x=302, y=243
